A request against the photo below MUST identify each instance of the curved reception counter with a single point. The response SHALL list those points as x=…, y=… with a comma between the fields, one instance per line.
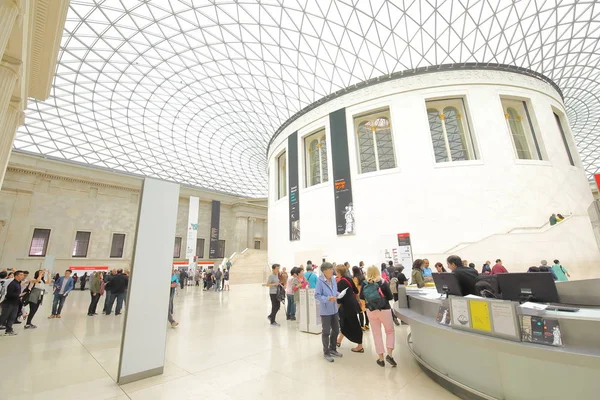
x=484, y=365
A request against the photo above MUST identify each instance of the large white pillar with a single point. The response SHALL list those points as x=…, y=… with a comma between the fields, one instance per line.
x=251, y=222
x=8, y=15
x=241, y=233
x=13, y=118
x=9, y=73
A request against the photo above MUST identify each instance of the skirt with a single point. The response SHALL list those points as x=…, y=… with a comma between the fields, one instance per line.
x=350, y=326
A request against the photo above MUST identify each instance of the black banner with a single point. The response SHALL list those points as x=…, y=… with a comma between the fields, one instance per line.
x=215, y=218
x=294, y=193
x=342, y=186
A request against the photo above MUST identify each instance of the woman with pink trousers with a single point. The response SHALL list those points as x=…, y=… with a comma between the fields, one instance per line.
x=377, y=295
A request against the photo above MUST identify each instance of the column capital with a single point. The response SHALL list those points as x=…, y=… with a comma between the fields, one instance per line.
x=12, y=64
x=251, y=219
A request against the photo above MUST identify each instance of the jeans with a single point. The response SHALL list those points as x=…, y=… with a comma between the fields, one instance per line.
x=107, y=301
x=120, y=297
x=57, y=303
x=93, y=303
x=331, y=330
x=9, y=315
x=33, y=307
x=170, y=314
x=291, y=306
x=218, y=287
x=275, y=304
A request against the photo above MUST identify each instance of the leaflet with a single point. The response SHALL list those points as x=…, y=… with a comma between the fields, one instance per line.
x=342, y=293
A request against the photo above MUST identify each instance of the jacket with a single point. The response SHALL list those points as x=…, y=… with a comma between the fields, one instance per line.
x=95, y=287
x=322, y=294
x=467, y=277
x=58, y=285
x=118, y=284
x=312, y=278
x=417, y=278
x=13, y=293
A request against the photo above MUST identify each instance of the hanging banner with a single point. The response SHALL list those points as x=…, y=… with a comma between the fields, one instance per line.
x=214, y=229
x=192, y=232
x=342, y=186
x=597, y=177
x=294, y=193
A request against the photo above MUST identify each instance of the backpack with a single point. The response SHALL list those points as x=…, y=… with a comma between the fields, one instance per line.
x=373, y=296
x=280, y=294
x=2, y=290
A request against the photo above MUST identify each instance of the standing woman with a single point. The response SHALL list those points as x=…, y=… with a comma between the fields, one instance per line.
x=358, y=278
x=349, y=325
x=84, y=279
x=326, y=294
x=95, y=289
x=417, y=273
x=296, y=286
x=35, y=297
x=377, y=294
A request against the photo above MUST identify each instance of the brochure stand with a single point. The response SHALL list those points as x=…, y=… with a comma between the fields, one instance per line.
x=486, y=316
x=302, y=310
x=314, y=317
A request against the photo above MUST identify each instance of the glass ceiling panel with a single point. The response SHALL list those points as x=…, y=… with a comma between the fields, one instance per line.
x=191, y=91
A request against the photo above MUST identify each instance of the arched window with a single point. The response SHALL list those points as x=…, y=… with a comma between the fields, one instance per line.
x=316, y=158
x=520, y=125
x=449, y=129
x=375, y=144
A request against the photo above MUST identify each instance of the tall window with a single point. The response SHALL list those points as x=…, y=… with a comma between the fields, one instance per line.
x=82, y=242
x=315, y=154
x=449, y=128
x=199, y=248
x=117, y=246
x=564, y=138
x=221, y=249
x=281, y=176
x=375, y=145
x=39, y=242
x=520, y=126
x=177, y=248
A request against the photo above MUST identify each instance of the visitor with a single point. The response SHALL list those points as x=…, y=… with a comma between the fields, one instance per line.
x=384, y=274
x=95, y=287
x=427, y=272
x=226, y=280
x=358, y=278
x=84, y=279
x=183, y=275
x=310, y=276
x=326, y=294
x=301, y=278
x=218, y=279
x=390, y=269
x=174, y=284
x=472, y=266
x=34, y=298
x=75, y=278
x=465, y=263
x=377, y=295
x=545, y=268
x=274, y=283
x=533, y=269
x=417, y=273
x=109, y=295
x=228, y=265
x=553, y=219
x=296, y=286
x=466, y=276
x=439, y=267
x=289, y=295
x=117, y=286
x=11, y=303
x=398, y=278
x=559, y=218
x=486, y=269
x=498, y=268
x=561, y=272
x=347, y=311
x=62, y=288
x=197, y=276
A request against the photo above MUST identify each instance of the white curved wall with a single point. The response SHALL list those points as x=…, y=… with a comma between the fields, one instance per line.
x=441, y=205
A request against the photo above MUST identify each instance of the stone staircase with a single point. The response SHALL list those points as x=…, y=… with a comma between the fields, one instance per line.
x=248, y=267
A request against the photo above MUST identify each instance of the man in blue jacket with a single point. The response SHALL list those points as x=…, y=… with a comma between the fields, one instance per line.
x=62, y=288
x=326, y=294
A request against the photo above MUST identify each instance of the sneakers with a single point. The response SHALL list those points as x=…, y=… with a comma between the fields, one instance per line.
x=381, y=363
x=11, y=333
x=274, y=324
x=30, y=326
x=293, y=318
x=328, y=358
x=335, y=353
x=391, y=361
x=174, y=324
x=52, y=316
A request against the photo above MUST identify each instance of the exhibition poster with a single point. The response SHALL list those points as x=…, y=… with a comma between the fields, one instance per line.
x=342, y=185
x=480, y=315
x=294, y=193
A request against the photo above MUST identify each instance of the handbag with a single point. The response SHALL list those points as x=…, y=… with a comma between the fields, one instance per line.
x=36, y=295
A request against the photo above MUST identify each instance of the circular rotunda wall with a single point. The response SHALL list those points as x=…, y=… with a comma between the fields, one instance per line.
x=467, y=161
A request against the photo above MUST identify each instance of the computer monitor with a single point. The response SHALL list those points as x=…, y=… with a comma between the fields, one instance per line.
x=537, y=287
x=447, y=284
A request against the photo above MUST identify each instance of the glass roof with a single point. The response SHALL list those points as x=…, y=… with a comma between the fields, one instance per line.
x=191, y=91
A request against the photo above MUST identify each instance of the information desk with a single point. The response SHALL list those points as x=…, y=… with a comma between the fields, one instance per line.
x=478, y=366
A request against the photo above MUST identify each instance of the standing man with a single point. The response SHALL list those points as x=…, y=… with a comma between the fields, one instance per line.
x=499, y=268
x=228, y=265
x=218, y=279
x=273, y=283
x=108, y=298
x=183, y=278
x=226, y=280
x=174, y=284
x=62, y=288
x=118, y=287
x=326, y=294
x=11, y=303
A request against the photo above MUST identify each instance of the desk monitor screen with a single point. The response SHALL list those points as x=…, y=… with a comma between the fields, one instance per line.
x=447, y=283
x=538, y=287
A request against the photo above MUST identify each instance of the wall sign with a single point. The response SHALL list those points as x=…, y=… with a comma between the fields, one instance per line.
x=294, y=193
x=192, y=232
x=342, y=185
x=214, y=229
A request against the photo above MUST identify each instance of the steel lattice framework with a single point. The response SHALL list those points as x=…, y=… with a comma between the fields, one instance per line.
x=191, y=91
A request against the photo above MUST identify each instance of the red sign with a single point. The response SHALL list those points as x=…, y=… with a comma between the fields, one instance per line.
x=597, y=176
x=88, y=268
x=404, y=239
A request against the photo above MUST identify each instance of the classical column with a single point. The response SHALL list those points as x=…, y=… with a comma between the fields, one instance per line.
x=8, y=16
x=12, y=119
x=251, y=222
x=241, y=233
x=9, y=73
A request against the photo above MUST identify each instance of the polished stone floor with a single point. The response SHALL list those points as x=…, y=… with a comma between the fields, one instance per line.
x=224, y=349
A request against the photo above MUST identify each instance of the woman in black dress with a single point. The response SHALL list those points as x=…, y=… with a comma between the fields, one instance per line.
x=349, y=308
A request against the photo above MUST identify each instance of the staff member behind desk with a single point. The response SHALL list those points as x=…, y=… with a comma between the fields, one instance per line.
x=466, y=276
